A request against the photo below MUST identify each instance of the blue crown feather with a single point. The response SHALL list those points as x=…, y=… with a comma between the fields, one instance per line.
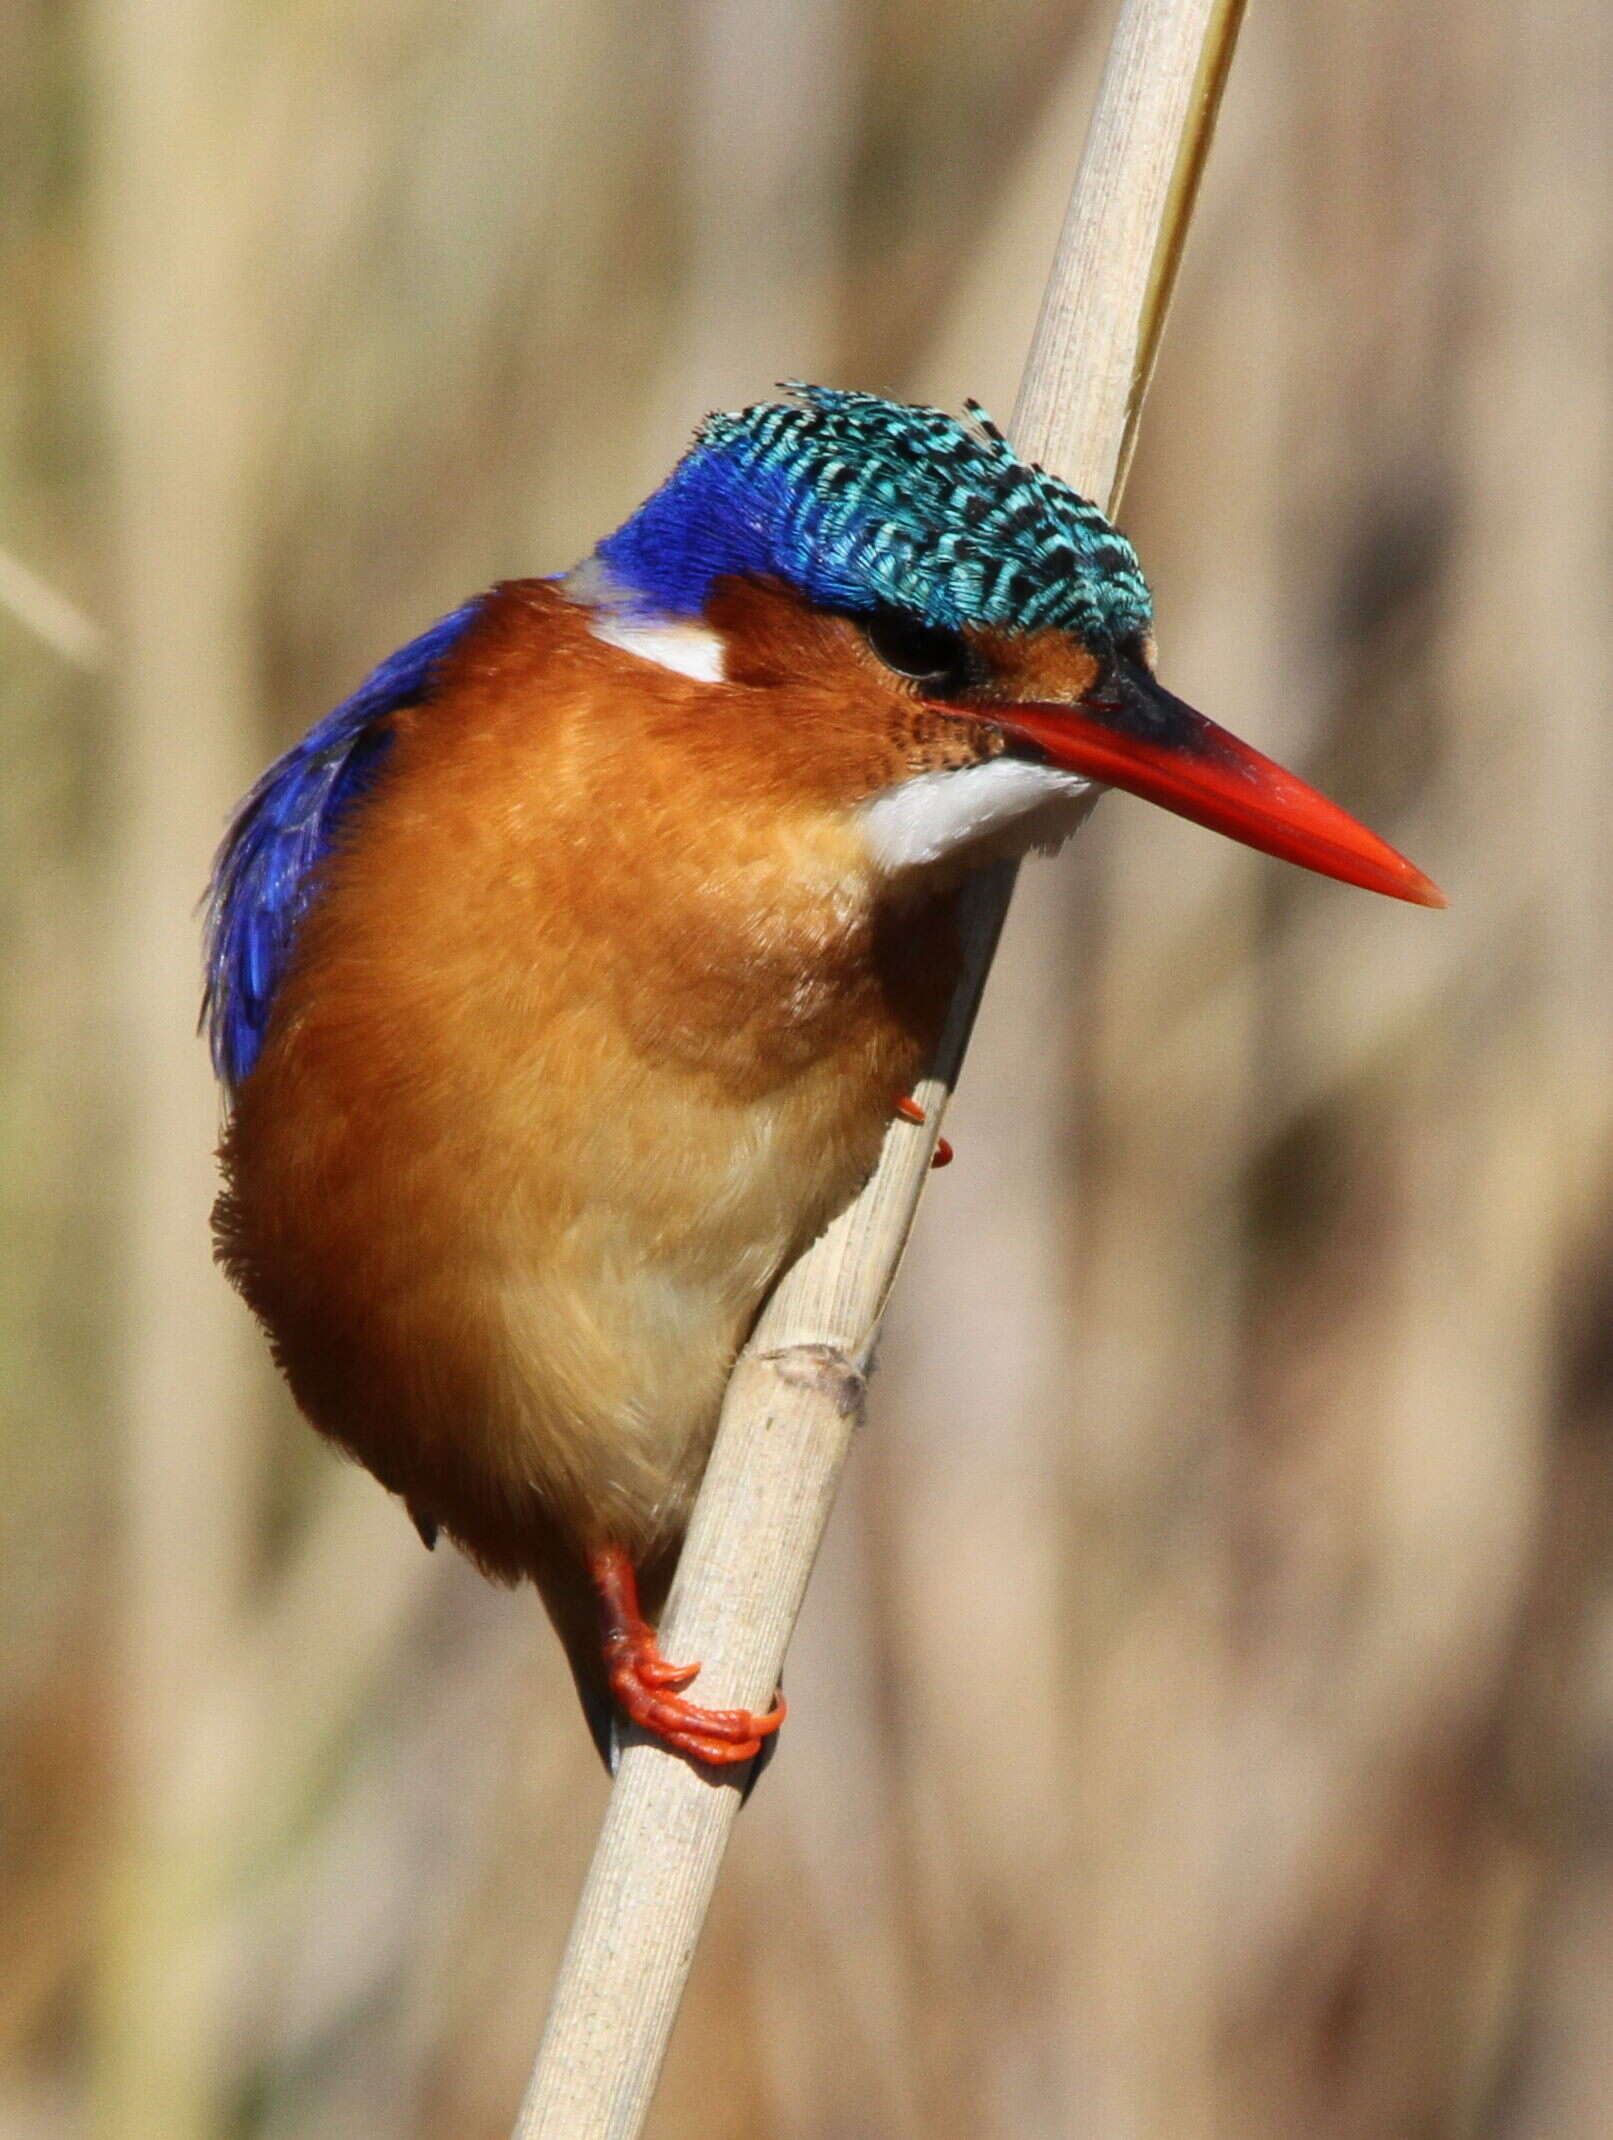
x=861, y=503
x=263, y=877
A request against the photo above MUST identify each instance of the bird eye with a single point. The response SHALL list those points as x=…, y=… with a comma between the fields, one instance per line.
x=927, y=653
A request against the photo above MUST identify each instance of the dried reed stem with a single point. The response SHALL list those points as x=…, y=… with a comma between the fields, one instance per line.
x=796, y=1393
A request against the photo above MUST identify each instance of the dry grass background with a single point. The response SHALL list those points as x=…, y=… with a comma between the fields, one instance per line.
x=1204, y=1714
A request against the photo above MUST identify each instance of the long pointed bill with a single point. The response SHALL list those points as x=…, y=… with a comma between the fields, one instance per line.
x=1135, y=735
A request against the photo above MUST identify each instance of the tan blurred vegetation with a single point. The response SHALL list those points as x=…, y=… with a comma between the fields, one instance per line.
x=1203, y=1719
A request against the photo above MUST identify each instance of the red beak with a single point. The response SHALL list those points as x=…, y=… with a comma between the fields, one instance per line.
x=1133, y=734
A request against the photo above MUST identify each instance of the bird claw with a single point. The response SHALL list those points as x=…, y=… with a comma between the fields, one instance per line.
x=909, y=1110
x=647, y=1688
x=717, y=1736
x=654, y=1671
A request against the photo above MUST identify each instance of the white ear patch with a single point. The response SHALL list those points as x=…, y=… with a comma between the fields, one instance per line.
x=1003, y=807
x=670, y=642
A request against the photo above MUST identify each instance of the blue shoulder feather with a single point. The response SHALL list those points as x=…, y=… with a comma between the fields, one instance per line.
x=263, y=876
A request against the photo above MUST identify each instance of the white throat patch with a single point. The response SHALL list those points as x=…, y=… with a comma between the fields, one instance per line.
x=977, y=813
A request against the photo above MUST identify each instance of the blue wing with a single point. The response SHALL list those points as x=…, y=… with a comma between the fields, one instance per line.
x=263, y=877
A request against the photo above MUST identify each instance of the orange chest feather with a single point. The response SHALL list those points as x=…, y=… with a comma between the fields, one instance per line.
x=566, y=830
x=586, y=904
x=596, y=1020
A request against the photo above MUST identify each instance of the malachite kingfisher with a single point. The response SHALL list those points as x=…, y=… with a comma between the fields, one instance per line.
x=565, y=979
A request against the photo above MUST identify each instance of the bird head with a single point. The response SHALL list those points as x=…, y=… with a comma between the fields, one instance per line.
x=963, y=645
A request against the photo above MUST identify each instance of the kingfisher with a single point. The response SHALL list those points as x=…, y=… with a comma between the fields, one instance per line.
x=565, y=979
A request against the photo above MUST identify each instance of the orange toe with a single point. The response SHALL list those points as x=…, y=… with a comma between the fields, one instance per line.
x=718, y=1736
x=654, y=1671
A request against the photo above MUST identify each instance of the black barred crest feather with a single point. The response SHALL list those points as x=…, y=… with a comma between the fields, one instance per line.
x=863, y=503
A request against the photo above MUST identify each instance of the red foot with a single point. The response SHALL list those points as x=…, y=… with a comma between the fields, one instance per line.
x=910, y=1111
x=647, y=1687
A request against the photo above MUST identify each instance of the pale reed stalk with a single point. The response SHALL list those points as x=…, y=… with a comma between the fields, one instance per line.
x=796, y=1392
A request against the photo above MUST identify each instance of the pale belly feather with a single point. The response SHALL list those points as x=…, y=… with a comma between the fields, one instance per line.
x=618, y=1327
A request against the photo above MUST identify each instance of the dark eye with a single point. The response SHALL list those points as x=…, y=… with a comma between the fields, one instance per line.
x=928, y=653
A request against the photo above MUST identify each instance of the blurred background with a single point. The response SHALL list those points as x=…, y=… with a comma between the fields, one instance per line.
x=1203, y=1715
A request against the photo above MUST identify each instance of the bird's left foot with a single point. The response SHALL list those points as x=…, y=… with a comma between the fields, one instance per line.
x=647, y=1687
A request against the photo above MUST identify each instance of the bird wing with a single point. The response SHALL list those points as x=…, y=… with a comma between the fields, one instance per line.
x=264, y=872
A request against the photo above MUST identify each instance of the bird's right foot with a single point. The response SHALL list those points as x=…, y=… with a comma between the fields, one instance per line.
x=909, y=1110
x=648, y=1689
